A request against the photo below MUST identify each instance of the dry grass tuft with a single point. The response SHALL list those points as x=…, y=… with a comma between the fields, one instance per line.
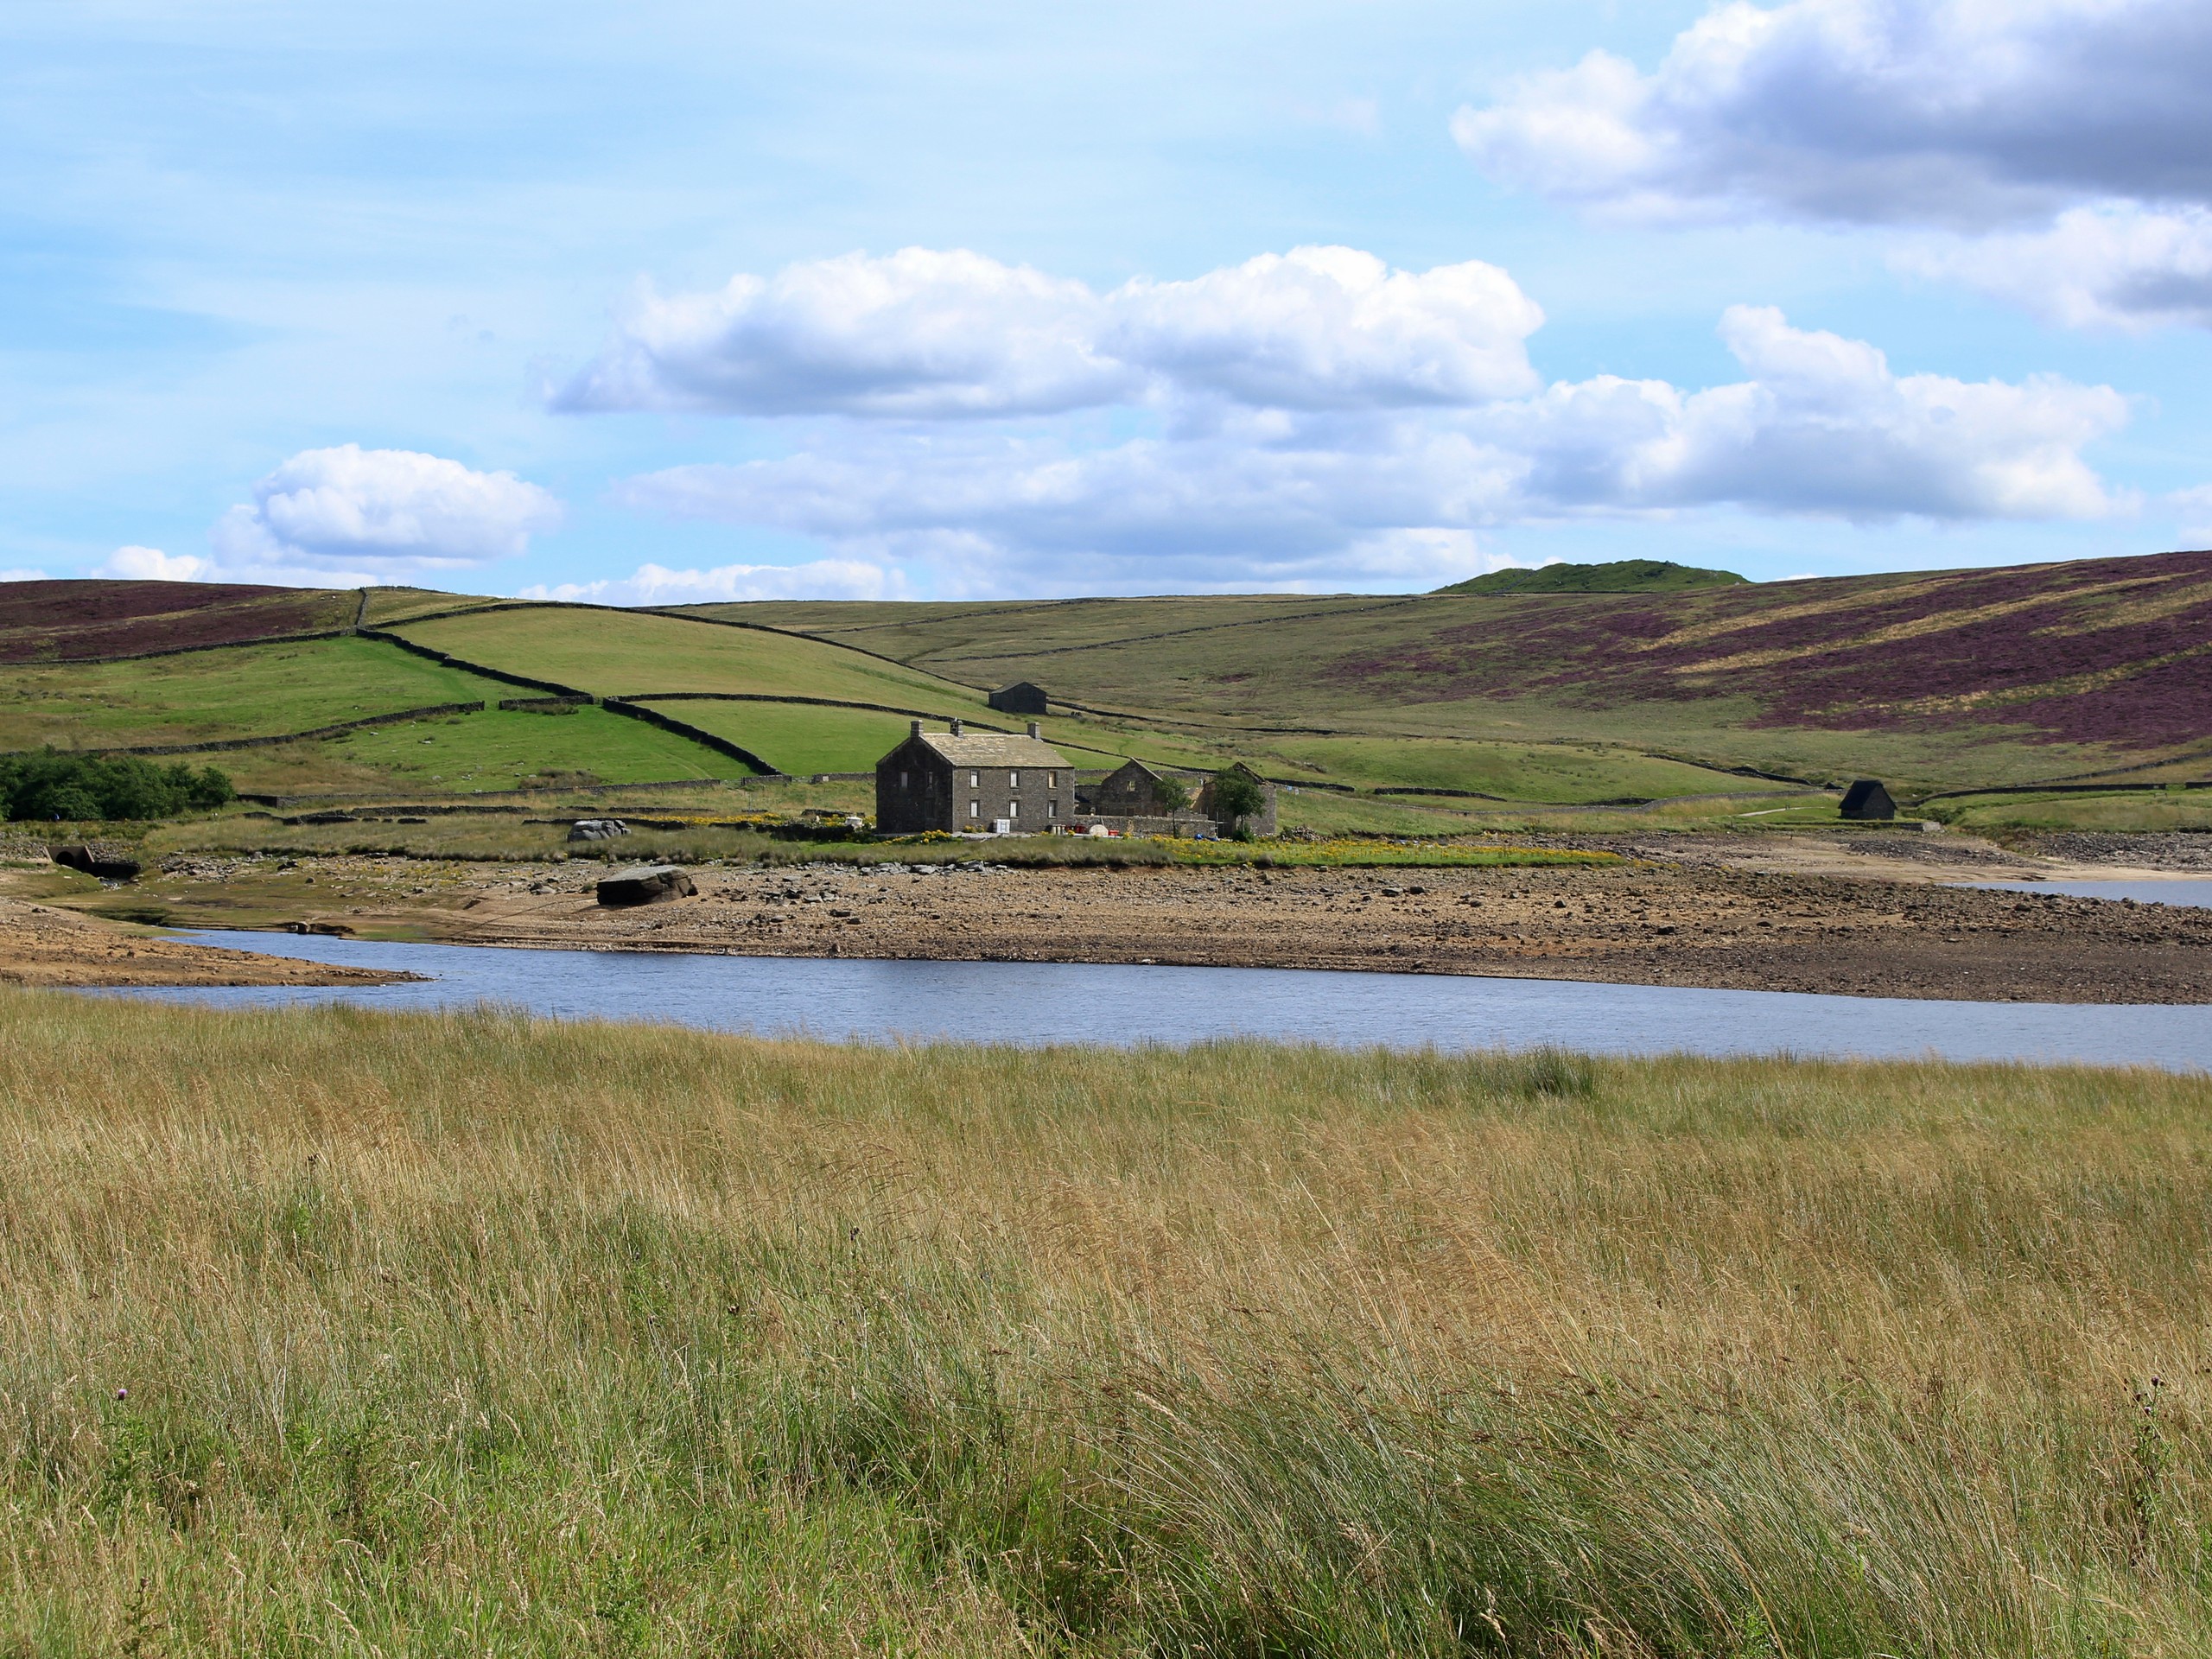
x=332, y=1329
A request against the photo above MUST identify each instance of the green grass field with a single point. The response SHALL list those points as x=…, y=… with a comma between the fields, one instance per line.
x=1559, y=773
x=239, y=691
x=624, y=654
x=2131, y=810
x=493, y=750
x=327, y=1330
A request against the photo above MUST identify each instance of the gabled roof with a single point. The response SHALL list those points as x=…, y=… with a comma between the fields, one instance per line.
x=994, y=749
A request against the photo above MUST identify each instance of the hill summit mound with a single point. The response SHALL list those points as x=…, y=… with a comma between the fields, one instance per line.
x=1620, y=577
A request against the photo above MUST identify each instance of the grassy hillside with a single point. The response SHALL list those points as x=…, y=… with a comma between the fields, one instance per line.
x=333, y=1331
x=238, y=691
x=617, y=653
x=1620, y=577
x=1937, y=681
x=1989, y=677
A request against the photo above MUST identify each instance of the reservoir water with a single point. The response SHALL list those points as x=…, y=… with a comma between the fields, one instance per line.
x=1076, y=1002
x=2178, y=890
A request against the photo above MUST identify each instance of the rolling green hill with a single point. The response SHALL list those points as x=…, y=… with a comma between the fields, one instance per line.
x=1621, y=576
x=1939, y=679
x=1460, y=703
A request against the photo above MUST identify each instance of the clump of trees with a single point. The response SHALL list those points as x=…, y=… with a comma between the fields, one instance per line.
x=1237, y=798
x=52, y=784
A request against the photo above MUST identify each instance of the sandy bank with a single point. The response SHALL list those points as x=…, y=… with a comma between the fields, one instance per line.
x=43, y=944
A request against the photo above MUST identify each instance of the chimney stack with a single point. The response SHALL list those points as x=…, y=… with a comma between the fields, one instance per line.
x=956, y=729
x=918, y=729
x=1035, y=730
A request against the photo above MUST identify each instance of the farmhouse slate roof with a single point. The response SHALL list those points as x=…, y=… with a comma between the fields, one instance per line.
x=994, y=749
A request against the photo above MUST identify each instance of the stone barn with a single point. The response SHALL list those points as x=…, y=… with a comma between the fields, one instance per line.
x=1022, y=697
x=1261, y=822
x=980, y=781
x=1131, y=791
x=1866, y=799
x=1133, y=800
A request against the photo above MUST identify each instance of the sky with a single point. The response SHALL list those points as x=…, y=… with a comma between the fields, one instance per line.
x=668, y=302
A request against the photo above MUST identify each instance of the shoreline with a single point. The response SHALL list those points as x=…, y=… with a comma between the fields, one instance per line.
x=1862, y=916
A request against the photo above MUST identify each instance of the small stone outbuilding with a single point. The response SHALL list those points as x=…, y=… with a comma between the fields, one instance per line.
x=1131, y=791
x=1261, y=822
x=1022, y=697
x=973, y=782
x=1866, y=799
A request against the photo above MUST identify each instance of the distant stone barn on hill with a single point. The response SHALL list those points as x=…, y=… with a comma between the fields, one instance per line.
x=963, y=781
x=1022, y=697
x=1866, y=799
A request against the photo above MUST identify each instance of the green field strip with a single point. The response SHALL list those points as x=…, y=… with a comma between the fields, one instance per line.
x=613, y=653
x=1537, y=773
x=274, y=688
x=494, y=750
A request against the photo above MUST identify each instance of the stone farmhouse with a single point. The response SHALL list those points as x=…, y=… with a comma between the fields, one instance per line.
x=995, y=783
x=980, y=781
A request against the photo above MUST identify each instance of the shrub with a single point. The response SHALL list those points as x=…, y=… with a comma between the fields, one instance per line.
x=50, y=784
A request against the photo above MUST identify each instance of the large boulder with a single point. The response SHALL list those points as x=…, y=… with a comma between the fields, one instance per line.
x=597, y=828
x=645, y=884
x=108, y=867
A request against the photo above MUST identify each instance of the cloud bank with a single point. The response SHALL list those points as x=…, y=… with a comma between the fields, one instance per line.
x=1921, y=111
x=2057, y=152
x=353, y=515
x=654, y=584
x=922, y=334
x=1336, y=489
x=151, y=564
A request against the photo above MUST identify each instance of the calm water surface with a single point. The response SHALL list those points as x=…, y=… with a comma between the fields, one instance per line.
x=2180, y=891
x=1076, y=1003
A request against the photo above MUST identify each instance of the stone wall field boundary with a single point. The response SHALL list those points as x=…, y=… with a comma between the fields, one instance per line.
x=669, y=723
x=447, y=659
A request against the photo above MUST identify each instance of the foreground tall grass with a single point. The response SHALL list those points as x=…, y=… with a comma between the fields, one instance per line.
x=326, y=1331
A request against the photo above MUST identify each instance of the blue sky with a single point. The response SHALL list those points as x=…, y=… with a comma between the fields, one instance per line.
x=574, y=301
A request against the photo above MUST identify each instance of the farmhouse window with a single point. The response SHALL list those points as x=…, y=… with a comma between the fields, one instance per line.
x=1013, y=809
x=1013, y=780
x=902, y=780
x=1052, y=781
x=1052, y=809
x=975, y=809
x=975, y=779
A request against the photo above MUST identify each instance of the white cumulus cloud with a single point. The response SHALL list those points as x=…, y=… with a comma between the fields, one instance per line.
x=357, y=515
x=1331, y=328
x=1821, y=425
x=921, y=332
x=654, y=584
x=151, y=564
x=2117, y=265
x=22, y=573
x=1958, y=113
x=929, y=334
